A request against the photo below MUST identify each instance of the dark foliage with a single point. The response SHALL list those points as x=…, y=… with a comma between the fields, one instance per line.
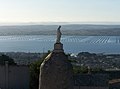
x=4, y=58
x=34, y=72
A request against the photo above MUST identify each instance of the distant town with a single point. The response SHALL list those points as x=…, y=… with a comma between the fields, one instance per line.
x=92, y=60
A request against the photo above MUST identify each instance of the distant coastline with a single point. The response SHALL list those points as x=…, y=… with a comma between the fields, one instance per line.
x=69, y=29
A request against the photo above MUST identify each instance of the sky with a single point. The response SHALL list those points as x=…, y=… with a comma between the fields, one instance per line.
x=12, y=11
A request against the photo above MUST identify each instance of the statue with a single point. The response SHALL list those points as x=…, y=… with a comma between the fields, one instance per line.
x=58, y=35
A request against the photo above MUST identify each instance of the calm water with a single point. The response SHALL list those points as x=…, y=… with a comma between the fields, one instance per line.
x=72, y=44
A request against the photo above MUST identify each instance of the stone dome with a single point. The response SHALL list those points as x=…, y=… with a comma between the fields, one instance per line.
x=56, y=72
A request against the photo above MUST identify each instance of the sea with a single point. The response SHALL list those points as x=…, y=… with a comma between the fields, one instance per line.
x=71, y=44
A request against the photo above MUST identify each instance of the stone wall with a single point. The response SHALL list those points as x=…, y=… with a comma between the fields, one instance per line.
x=14, y=77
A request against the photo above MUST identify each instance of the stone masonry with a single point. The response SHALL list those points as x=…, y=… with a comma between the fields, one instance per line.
x=56, y=71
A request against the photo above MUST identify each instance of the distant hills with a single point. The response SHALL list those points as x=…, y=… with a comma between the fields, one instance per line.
x=69, y=29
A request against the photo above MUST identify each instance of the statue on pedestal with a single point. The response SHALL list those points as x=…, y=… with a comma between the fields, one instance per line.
x=58, y=35
x=56, y=71
x=58, y=46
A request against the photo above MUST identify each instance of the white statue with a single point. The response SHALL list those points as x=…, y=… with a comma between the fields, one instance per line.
x=58, y=35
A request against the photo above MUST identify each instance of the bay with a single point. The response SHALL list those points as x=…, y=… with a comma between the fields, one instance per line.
x=72, y=44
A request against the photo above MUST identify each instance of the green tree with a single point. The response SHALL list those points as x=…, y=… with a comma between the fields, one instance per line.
x=34, y=72
x=4, y=58
x=80, y=69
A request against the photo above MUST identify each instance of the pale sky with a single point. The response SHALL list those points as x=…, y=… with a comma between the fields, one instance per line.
x=59, y=11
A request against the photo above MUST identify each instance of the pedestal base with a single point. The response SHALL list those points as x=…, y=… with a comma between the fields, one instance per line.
x=58, y=47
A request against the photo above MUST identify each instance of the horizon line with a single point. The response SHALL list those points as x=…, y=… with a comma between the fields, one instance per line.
x=61, y=23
